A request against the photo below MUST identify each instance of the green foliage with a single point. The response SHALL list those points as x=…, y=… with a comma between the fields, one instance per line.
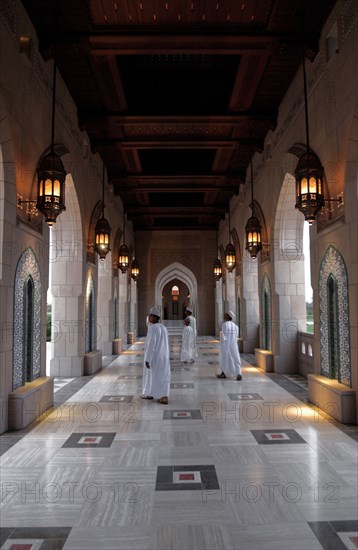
x=309, y=318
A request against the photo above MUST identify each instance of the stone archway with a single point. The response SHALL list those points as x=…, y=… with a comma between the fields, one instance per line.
x=288, y=289
x=178, y=271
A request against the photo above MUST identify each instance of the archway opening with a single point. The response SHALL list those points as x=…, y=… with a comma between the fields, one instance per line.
x=174, y=300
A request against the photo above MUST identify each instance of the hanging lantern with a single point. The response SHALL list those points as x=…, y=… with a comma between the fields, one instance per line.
x=51, y=174
x=102, y=231
x=135, y=270
x=253, y=227
x=102, y=237
x=51, y=187
x=230, y=257
x=253, y=236
x=123, y=258
x=217, y=269
x=309, y=177
x=309, y=171
x=230, y=253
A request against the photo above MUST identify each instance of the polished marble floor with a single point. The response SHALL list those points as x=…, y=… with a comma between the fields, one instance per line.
x=230, y=465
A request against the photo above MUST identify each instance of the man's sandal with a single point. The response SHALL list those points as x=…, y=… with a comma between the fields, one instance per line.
x=163, y=401
x=222, y=375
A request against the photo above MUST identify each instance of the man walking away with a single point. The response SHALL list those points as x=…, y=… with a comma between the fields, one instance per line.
x=187, y=346
x=230, y=361
x=156, y=357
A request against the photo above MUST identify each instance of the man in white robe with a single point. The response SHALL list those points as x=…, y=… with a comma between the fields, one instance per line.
x=156, y=357
x=187, y=345
x=230, y=361
x=190, y=316
x=147, y=374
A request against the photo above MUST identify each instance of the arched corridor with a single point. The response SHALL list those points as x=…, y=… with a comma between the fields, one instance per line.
x=199, y=159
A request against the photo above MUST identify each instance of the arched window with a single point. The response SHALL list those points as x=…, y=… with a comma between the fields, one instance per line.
x=309, y=351
x=27, y=320
x=28, y=338
x=303, y=348
x=335, y=350
x=175, y=293
x=175, y=300
x=333, y=343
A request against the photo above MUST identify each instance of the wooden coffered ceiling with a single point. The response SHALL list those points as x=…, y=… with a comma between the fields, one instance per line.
x=176, y=95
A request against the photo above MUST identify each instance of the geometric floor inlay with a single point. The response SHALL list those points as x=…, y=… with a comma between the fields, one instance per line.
x=183, y=414
x=245, y=396
x=96, y=440
x=34, y=538
x=269, y=437
x=116, y=399
x=336, y=535
x=186, y=478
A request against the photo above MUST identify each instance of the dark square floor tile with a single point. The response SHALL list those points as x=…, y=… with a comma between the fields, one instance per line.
x=89, y=440
x=186, y=478
x=182, y=414
x=274, y=437
x=336, y=535
x=53, y=538
x=245, y=396
x=116, y=399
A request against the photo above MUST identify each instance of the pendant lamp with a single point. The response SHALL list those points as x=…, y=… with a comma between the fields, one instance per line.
x=230, y=253
x=102, y=231
x=51, y=174
x=123, y=259
x=135, y=267
x=217, y=266
x=309, y=171
x=253, y=227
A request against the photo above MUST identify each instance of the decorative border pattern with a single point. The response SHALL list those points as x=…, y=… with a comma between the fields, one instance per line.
x=27, y=267
x=333, y=264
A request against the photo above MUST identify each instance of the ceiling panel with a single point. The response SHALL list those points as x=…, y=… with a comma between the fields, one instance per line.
x=176, y=95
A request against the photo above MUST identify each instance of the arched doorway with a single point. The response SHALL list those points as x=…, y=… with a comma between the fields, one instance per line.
x=176, y=274
x=175, y=298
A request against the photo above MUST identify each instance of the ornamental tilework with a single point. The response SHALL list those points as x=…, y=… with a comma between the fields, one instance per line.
x=266, y=341
x=26, y=267
x=333, y=265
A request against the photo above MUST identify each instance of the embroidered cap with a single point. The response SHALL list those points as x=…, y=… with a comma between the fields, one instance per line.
x=231, y=314
x=154, y=311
